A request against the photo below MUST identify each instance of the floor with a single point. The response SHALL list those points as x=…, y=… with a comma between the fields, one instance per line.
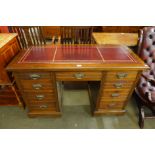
x=76, y=115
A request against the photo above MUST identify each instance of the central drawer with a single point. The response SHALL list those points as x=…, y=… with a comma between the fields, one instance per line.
x=78, y=76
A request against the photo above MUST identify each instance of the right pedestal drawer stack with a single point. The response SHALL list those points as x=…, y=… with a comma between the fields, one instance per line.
x=115, y=90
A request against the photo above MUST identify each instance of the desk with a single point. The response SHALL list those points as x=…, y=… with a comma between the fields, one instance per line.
x=128, y=39
x=111, y=71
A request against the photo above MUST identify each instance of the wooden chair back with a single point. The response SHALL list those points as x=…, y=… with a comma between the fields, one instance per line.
x=76, y=34
x=28, y=35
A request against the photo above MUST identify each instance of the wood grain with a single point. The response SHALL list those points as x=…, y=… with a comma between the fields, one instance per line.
x=128, y=39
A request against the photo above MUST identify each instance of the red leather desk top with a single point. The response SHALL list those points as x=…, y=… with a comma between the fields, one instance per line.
x=78, y=53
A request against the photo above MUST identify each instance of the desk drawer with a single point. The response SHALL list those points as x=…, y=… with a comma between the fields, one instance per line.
x=78, y=76
x=114, y=95
x=40, y=96
x=42, y=108
x=118, y=85
x=42, y=105
x=121, y=75
x=111, y=105
x=34, y=75
x=41, y=84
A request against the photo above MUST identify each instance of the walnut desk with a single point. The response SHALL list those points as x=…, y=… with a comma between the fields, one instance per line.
x=127, y=39
x=111, y=71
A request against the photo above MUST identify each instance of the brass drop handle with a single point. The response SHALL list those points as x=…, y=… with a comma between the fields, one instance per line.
x=40, y=97
x=111, y=104
x=34, y=76
x=79, y=75
x=118, y=85
x=43, y=106
x=121, y=75
x=37, y=86
x=115, y=94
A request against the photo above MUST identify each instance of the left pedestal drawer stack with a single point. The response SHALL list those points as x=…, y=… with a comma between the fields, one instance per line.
x=39, y=93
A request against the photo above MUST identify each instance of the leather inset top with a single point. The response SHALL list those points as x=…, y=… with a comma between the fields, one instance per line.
x=78, y=53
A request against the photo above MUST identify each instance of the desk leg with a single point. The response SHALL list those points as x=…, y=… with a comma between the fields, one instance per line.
x=17, y=97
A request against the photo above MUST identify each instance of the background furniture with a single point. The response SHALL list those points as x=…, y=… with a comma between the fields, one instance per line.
x=76, y=34
x=28, y=35
x=121, y=29
x=8, y=49
x=145, y=90
x=111, y=72
x=127, y=39
x=51, y=32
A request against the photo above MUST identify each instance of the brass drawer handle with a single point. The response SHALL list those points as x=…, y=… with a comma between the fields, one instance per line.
x=79, y=75
x=118, y=85
x=111, y=104
x=37, y=86
x=115, y=94
x=121, y=75
x=43, y=106
x=34, y=76
x=40, y=97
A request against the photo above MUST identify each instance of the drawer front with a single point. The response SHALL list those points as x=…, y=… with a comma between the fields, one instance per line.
x=42, y=105
x=39, y=103
x=34, y=75
x=35, y=85
x=118, y=85
x=111, y=105
x=42, y=96
x=113, y=95
x=42, y=112
x=42, y=108
x=78, y=76
x=121, y=75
